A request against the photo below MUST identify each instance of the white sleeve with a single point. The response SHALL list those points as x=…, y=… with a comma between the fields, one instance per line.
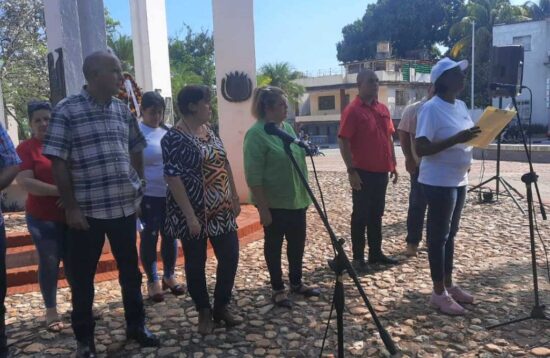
x=425, y=124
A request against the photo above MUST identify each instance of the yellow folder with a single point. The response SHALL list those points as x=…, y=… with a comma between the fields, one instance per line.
x=491, y=123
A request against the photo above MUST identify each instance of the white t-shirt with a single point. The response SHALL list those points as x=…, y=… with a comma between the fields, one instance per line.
x=408, y=124
x=152, y=161
x=437, y=121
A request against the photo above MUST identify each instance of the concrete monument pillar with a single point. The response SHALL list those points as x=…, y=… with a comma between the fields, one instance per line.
x=150, y=42
x=78, y=28
x=235, y=64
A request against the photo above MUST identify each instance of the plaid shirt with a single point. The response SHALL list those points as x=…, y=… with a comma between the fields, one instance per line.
x=8, y=156
x=96, y=140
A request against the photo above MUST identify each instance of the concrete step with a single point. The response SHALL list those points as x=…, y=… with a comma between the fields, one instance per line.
x=22, y=258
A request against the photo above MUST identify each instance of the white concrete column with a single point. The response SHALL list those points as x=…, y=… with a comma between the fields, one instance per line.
x=234, y=51
x=150, y=42
x=78, y=27
x=91, y=16
x=63, y=31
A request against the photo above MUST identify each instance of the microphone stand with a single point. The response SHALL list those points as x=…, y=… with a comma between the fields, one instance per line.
x=340, y=264
x=530, y=178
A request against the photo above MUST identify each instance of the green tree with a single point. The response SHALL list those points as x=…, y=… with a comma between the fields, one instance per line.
x=192, y=61
x=121, y=45
x=538, y=11
x=282, y=75
x=486, y=14
x=408, y=25
x=23, y=51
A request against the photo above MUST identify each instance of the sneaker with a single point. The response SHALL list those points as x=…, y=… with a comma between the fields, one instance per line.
x=459, y=295
x=412, y=250
x=446, y=304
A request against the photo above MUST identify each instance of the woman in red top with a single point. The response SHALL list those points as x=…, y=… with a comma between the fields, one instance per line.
x=45, y=218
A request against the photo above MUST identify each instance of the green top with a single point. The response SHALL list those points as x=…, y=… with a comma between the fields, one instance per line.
x=267, y=165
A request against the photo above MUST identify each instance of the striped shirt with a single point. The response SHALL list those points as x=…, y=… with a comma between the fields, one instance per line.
x=8, y=156
x=96, y=141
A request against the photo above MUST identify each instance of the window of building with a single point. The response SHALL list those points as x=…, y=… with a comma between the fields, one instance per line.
x=327, y=103
x=524, y=41
x=354, y=68
x=524, y=107
x=401, y=98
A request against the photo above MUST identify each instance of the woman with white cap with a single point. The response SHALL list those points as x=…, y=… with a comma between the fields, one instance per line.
x=443, y=130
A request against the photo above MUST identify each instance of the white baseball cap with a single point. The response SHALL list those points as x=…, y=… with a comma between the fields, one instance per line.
x=446, y=64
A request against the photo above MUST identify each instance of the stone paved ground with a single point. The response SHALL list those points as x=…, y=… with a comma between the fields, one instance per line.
x=492, y=261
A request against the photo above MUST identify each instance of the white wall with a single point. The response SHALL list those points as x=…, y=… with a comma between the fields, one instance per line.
x=234, y=51
x=150, y=39
x=536, y=71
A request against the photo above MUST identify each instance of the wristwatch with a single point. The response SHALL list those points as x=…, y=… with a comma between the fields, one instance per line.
x=143, y=183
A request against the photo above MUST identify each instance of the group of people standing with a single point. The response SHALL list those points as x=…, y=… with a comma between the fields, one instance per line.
x=91, y=170
x=433, y=134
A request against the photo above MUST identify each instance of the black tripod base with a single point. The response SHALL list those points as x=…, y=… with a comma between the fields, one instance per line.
x=536, y=313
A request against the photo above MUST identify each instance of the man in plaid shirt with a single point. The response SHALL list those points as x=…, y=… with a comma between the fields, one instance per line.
x=96, y=148
x=9, y=167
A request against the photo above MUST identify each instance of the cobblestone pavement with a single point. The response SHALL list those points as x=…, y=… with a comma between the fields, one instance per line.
x=492, y=261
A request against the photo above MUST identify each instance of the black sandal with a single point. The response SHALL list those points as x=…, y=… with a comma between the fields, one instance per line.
x=281, y=299
x=305, y=290
x=177, y=290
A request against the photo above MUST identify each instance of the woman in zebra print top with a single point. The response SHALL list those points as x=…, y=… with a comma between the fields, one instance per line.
x=202, y=204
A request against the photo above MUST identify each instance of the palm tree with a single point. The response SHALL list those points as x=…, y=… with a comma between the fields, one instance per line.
x=281, y=74
x=486, y=14
x=538, y=11
x=122, y=46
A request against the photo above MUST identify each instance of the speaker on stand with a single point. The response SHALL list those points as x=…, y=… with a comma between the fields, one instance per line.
x=506, y=79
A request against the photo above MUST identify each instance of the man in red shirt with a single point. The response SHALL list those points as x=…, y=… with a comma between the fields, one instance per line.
x=366, y=145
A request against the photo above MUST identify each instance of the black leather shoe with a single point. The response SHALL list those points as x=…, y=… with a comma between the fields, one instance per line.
x=143, y=336
x=85, y=350
x=382, y=259
x=360, y=266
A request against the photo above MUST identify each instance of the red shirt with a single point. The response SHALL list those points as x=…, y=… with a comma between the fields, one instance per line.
x=368, y=129
x=40, y=207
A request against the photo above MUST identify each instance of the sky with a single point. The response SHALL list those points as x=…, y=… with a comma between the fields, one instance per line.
x=303, y=33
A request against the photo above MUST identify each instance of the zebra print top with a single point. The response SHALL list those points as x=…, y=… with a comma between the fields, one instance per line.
x=200, y=164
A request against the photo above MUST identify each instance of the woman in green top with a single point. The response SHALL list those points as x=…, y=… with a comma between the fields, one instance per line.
x=277, y=192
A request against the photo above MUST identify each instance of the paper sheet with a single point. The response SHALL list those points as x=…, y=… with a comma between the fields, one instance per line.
x=491, y=123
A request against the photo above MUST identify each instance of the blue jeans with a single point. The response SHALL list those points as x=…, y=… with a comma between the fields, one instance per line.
x=153, y=213
x=49, y=238
x=226, y=249
x=444, y=209
x=417, y=211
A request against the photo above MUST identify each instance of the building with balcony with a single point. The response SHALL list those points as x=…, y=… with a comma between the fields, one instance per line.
x=318, y=114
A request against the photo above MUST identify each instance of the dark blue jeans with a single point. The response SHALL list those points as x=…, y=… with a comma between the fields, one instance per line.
x=444, y=209
x=226, y=249
x=82, y=252
x=417, y=211
x=49, y=238
x=3, y=289
x=153, y=213
x=290, y=225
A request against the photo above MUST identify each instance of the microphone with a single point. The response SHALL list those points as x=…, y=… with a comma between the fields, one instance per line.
x=272, y=129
